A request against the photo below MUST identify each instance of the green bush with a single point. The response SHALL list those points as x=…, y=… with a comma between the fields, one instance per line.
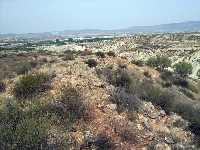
x=182, y=82
x=31, y=85
x=193, y=87
x=19, y=131
x=2, y=86
x=32, y=133
x=100, y=54
x=23, y=68
x=187, y=93
x=10, y=115
x=166, y=84
x=155, y=94
x=183, y=69
x=159, y=62
x=91, y=63
x=166, y=75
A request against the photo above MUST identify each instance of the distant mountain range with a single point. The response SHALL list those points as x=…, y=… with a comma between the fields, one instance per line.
x=191, y=26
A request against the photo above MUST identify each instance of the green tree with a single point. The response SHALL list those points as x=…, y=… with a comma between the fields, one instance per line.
x=159, y=62
x=183, y=69
x=70, y=40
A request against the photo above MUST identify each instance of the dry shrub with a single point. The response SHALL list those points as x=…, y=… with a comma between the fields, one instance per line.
x=103, y=142
x=44, y=60
x=73, y=103
x=147, y=74
x=100, y=54
x=2, y=86
x=68, y=55
x=111, y=54
x=138, y=62
x=91, y=63
x=126, y=130
x=124, y=100
x=121, y=78
x=85, y=53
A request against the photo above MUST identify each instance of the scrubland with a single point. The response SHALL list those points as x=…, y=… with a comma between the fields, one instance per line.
x=97, y=100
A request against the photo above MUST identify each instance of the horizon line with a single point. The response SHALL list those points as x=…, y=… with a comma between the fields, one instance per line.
x=90, y=29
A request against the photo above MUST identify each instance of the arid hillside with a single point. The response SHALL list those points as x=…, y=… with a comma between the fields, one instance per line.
x=95, y=100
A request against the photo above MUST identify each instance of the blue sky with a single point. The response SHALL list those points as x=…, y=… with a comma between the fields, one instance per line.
x=23, y=16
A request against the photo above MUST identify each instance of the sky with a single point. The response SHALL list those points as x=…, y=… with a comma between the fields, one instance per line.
x=33, y=16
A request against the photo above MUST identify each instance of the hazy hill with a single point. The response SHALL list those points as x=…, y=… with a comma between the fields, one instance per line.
x=192, y=26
